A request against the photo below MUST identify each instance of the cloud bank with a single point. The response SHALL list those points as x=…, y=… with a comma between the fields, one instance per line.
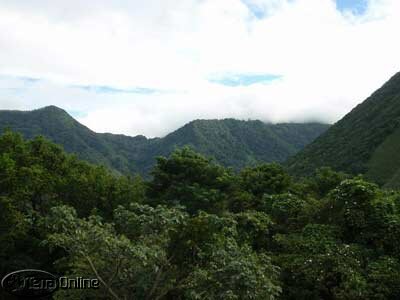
x=148, y=67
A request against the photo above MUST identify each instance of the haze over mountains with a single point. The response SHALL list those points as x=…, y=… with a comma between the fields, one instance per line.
x=366, y=140
x=231, y=142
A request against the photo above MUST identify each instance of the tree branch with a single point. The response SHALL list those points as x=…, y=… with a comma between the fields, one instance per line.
x=101, y=279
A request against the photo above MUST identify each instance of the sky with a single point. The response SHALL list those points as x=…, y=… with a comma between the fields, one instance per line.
x=148, y=67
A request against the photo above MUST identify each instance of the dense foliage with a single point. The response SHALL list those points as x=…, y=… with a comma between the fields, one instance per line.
x=366, y=140
x=196, y=230
x=230, y=142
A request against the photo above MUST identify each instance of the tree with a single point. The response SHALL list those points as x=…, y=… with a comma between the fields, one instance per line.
x=316, y=265
x=127, y=269
x=265, y=179
x=159, y=253
x=219, y=264
x=189, y=179
x=350, y=205
x=326, y=180
x=384, y=278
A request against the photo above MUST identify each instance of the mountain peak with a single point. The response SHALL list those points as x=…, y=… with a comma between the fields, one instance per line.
x=51, y=109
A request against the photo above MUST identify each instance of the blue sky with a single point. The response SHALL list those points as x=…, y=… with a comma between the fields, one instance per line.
x=244, y=79
x=260, y=9
x=356, y=6
x=112, y=90
x=149, y=67
x=255, y=9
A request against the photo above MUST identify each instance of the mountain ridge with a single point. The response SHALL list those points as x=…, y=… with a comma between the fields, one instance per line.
x=231, y=142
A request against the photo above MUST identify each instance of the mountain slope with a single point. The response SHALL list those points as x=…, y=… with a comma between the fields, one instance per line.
x=239, y=143
x=231, y=142
x=365, y=141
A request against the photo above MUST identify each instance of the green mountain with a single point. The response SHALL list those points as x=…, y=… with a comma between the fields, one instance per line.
x=366, y=141
x=231, y=142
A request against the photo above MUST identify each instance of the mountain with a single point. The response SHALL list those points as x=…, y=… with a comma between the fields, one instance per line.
x=366, y=141
x=231, y=142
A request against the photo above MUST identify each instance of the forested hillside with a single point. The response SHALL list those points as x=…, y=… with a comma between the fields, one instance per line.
x=231, y=142
x=196, y=230
x=366, y=140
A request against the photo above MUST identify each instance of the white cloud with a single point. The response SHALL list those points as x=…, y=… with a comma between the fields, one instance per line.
x=328, y=61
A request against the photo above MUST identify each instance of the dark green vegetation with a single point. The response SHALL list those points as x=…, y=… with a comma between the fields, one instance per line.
x=196, y=230
x=231, y=142
x=366, y=141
